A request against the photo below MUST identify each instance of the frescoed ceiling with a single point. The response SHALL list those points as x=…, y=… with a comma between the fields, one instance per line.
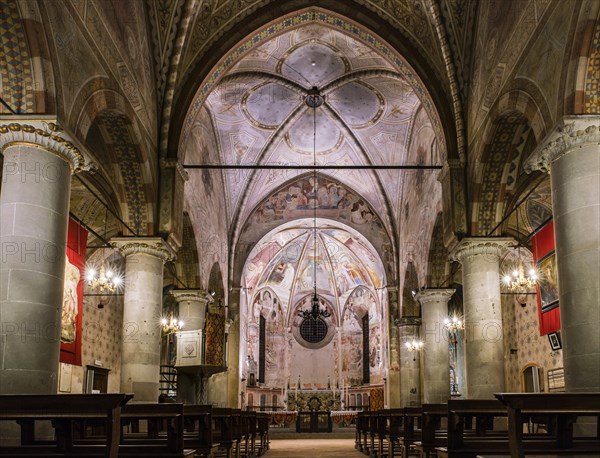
x=371, y=100
x=287, y=259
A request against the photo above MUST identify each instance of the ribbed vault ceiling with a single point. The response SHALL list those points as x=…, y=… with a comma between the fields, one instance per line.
x=369, y=116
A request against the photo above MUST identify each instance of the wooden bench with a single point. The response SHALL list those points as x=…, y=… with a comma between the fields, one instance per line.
x=411, y=430
x=483, y=438
x=198, y=429
x=392, y=433
x=63, y=411
x=262, y=443
x=226, y=431
x=362, y=426
x=164, y=435
x=563, y=409
x=434, y=431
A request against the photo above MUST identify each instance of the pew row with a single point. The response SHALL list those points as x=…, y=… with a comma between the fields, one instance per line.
x=100, y=425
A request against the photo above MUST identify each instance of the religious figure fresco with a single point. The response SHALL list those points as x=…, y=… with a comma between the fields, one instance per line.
x=68, y=328
x=347, y=272
x=331, y=199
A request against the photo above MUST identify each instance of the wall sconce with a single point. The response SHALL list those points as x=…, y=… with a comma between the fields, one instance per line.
x=171, y=324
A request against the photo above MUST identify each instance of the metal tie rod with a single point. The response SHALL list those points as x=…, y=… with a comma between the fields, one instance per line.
x=308, y=167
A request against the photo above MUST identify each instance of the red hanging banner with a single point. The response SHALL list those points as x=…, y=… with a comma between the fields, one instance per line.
x=547, y=288
x=70, y=335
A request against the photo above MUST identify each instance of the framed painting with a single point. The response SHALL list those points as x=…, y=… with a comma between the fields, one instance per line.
x=548, y=282
x=554, y=338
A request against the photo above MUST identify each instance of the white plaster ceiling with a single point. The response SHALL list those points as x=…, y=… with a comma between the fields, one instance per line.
x=260, y=117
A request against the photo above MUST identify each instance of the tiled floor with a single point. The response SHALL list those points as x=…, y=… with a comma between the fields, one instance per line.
x=313, y=448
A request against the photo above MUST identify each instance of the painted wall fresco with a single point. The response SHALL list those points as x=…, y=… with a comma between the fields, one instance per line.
x=203, y=196
x=333, y=200
x=279, y=280
x=421, y=202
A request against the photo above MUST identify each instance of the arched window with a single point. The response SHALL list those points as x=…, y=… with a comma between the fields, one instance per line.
x=531, y=379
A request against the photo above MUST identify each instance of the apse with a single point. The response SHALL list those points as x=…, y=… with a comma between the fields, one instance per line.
x=282, y=346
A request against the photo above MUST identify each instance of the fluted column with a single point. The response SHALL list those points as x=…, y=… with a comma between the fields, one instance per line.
x=436, y=365
x=142, y=309
x=484, y=349
x=34, y=213
x=571, y=155
x=410, y=364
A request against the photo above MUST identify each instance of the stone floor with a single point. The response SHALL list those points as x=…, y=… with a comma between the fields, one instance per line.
x=316, y=448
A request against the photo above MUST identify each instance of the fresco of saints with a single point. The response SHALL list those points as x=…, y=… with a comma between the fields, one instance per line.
x=68, y=329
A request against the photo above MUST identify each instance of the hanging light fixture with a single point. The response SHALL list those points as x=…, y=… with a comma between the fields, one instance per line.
x=314, y=100
x=515, y=280
x=104, y=279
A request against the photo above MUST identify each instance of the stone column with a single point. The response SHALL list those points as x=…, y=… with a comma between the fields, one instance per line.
x=410, y=364
x=233, y=342
x=484, y=349
x=571, y=154
x=436, y=366
x=142, y=309
x=34, y=215
x=393, y=379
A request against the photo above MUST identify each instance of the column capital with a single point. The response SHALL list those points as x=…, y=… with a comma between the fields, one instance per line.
x=428, y=295
x=491, y=247
x=153, y=246
x=192, y=295
x=41, y=132
x=570, y=132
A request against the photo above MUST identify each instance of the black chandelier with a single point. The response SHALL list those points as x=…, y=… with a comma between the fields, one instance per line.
x=313, y=100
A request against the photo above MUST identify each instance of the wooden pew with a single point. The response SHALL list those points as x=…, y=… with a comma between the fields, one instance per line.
x=153, y=442
x=262, y=444
x=248, y=434
x=362, y=423
x=226, y=431
x=411, y=430
x=481, y=440
x=395, y=432
x=563, y=409
x=372, y=433
x=63, y=411
x=434, y=433
x=198, y=429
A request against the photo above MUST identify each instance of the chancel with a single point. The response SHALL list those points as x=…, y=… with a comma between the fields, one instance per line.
x=228, y=223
